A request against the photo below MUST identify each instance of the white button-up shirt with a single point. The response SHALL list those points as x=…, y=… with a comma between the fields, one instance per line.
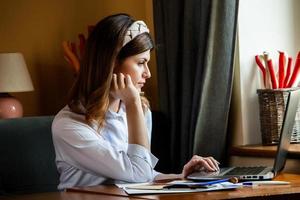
x=87, y=156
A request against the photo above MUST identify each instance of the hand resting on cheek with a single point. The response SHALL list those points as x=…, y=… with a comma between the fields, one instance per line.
x=122, y=88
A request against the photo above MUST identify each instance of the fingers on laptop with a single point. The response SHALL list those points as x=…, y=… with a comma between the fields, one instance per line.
x=198, y=163
x=209, y=163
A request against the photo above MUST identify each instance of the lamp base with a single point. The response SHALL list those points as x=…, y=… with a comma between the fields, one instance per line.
x=10, y=107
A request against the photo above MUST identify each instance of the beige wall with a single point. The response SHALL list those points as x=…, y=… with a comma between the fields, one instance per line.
x=36, y=28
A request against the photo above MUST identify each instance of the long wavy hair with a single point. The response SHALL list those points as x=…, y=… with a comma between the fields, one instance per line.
x=104, y=49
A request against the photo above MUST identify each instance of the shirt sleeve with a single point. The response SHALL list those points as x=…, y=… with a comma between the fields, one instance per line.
x=80, y=146
x=148, y=120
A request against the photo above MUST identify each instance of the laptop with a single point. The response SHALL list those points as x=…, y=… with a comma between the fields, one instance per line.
x=261, y=172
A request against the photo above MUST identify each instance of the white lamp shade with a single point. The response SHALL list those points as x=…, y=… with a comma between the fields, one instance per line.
x=14, y=76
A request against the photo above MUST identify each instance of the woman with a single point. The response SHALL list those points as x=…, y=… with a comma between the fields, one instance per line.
x=103, y=134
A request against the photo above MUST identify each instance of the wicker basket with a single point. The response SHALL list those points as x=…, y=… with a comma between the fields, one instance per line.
x=272, y=105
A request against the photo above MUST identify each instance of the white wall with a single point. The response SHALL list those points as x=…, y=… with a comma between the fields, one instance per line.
x=263, y=25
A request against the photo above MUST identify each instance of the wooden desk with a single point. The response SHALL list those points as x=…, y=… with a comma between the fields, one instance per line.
x=67, y=196
x=291, y=191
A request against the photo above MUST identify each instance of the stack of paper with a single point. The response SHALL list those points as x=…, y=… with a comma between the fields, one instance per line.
x=174, y=187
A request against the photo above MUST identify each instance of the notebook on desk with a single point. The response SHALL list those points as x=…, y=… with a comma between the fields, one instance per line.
x=261, y=172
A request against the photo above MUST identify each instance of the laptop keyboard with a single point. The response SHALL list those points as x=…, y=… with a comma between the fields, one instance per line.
x=245, y=170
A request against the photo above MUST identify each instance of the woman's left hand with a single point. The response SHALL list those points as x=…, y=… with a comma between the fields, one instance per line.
x=198, y=163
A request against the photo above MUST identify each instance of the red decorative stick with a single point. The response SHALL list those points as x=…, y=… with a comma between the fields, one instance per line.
x=281, y=69
x=262, y=68
x=268, y=77
x=81, y=45
x=272, y=73
x=73, y=48
x=295, y=73
x=288, y=72
x=71, y=57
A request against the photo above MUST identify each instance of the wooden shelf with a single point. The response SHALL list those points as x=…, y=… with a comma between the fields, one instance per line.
x=263, y=151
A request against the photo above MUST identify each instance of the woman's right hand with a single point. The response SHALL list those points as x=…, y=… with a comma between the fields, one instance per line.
x=123, y=88
x=199, y=163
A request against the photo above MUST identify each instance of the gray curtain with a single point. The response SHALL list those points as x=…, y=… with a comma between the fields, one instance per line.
x=214, y=103
x=195, y=44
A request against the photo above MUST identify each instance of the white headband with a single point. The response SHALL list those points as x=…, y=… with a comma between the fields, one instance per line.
x=136, y=28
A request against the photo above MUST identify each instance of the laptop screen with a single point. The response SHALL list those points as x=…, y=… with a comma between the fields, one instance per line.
x=286, y=130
